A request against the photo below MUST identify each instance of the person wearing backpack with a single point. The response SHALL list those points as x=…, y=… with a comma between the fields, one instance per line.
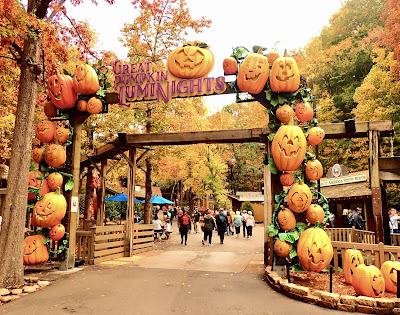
x=237, y=222
x=222, y=222
x=184, y=225
x=209, y=226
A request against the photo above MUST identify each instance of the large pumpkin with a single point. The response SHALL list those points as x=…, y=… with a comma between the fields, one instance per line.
x=368, y=280
x=230, y=65
x=85, y=80
x=55, y=180
x=37, y=154
x=35, y=182
x=281, y=248
x=57, y=232
x=315, y=135
x=314, y=170
x=61, y=135
x=315, y=214
x=352, y=259
x=55, y=155
x=304, y=111
x=61, y=91
x=286, y=219
x=299, y=197
x=35, y=252
x=285, y=76
x=284, y=113
x=389, y=271
x=191, y=61
x=253, y=73
x=50, y=210
x=45, y=131
x=289, y=147
x=314, y=249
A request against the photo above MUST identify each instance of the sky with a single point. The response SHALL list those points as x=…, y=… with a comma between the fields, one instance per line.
x=234, y=23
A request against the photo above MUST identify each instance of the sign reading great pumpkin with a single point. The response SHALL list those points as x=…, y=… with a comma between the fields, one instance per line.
x=188, y=67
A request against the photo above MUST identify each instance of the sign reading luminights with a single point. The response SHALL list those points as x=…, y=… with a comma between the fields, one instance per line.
x=137, y=82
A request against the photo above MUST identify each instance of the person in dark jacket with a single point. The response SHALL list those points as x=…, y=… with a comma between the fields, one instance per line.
x=209, y=226
x=184, y=225
x=222, y=223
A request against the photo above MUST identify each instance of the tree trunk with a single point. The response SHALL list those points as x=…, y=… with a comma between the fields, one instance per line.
x=12, y=228
x=148, y=207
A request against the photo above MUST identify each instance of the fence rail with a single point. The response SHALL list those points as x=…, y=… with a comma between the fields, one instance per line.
x=350, y=235
x=143, y=238
x=84, y=246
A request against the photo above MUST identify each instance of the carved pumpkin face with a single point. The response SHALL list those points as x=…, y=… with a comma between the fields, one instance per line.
x=284, y=113
x=62, y=135
x=50, y=210
x=282, y=249
x=45, y=131
x=368, y=281
x=352, y=259
x=49, y=109
x=389, y=271
x=314, y=170
x=57, y=232
x=55, y=155
x=35, y=252
x=304, y=111
x=315, y=135
x=286, y=179
x=289, y=147
x=37, y=154
x=299, y=197
x=85, y=80
x=82, y=105
x=191, y=61
x=61, y=92
x=286, y=219
x=285, y=76
x=314, y=249
x=315, y=213
x=54, y=180
x=94, y=105
x=230, y=65
x=253, y=73
x=34, y=181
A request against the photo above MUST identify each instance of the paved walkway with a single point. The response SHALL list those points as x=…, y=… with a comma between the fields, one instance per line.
x=172, y=279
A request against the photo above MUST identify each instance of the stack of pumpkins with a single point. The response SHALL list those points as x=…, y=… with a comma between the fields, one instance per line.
x=51, y=205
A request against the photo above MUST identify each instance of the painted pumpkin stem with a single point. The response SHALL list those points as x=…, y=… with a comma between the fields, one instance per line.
x=291, y=121
x=260, y=50
x=354, y=247
x=391, y=256
x=367, y=261
x=58, y=191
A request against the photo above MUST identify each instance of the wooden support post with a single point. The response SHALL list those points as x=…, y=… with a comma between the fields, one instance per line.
x=102, y=193
x=375, y=184
x=130, y=211
x=88, y=198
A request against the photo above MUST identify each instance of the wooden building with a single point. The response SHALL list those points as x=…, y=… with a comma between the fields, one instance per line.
x=257, y=201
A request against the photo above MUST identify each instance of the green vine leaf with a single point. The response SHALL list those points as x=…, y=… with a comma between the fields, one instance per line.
x=272, y=230
x=297, y=268
x=271, y=166
x=69, y=185
x=281, y=99
x=293, y=252
x=301, y=226
x=271, y=136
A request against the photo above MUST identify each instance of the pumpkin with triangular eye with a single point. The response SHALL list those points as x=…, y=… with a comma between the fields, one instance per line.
x=352, y=259
x=50, y=210
x=55, y=155
x=37, y=154
x=35, y=252
x=285, y=76
x=57, y=232
x=85, y=81
x=314, y=170
x=368, y=280
x=45, y=131
x=315, y=214
x=62, y=135
x=281, y=248
x=389, y=271
x=299, y=197
x=315, y=135
x=61, y=91
x=35, y=180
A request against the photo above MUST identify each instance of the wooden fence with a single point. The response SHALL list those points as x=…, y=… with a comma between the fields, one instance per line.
x=351, y=235
x=108, y=242
x=84, y=246
x=143, y=238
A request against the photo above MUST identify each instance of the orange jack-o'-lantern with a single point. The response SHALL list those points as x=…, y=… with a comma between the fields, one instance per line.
x=35, y=181
x=282, y=248
x=289, y=147
x=285, y=76
x=82, y=105
x=284, y=113
x=286, y=219
x=55, y=155
x=57, y=232
x=389, y=271
x=368, y=280
x=61, y=92
x=253, y=73
x=35, y=252
x=50, y=210
x=193, y=60
x=45, y=131
x=286, y=179
x=85, y=80
x=314, y=170
x=37, y=154
x=49, y=109
x=94, y=105
x=315, y=135
x=315, y=214
x=299, y=197
x=54, y=180
x=314, y=249
x=304, y=111
x=352, y=259
x=62, y=135
x=230, y=65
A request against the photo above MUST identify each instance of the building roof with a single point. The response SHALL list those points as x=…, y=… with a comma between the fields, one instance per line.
x=254, y=196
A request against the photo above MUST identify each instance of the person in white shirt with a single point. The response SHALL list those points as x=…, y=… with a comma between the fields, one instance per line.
x=250, y=224
x=157, y=227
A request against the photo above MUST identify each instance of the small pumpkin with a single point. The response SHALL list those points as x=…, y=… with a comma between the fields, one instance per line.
x=82, y=105
x=299, y=197
x=230, y=65
x=314, y=249
x=304, y=111
x=315, y=214
x=61, y=135
x=50, y=210
x=286, y=179
x=55, y=180
x=289, y=147
x=389, y=271
x=286, y=219
x=272, y=56
x=352, y=259
x=85, y=81
x=368, y=280
x=285, y=76
x=253, y=73
x=193, y=60
x=314, y=170
x=35, y=180
x=37, y=154
x=61, y=91
x=55, y=155
x=57, y=232
x=45, y=131
x=49, y=109
x=35, y=252
x=282, y=248
x=315, y=135
x=284, y=113
x=94, y=105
